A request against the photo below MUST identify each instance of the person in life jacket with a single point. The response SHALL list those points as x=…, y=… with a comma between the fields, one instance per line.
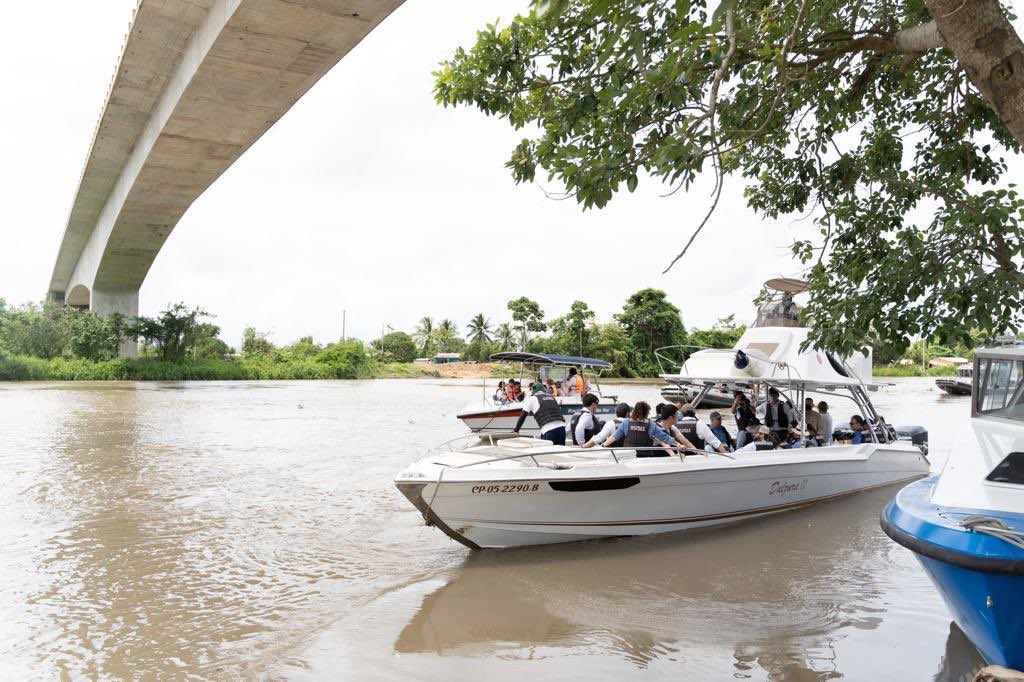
x=622, y=411
x=641, y=432
x=777, y=415
x=584, y=424
x=575, y=382
x=696, y=431
x=760, y=442
x=546, y=411
x=510, y=391
x=667, y=419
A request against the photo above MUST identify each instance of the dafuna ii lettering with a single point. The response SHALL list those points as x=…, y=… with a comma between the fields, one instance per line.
x=780, y=488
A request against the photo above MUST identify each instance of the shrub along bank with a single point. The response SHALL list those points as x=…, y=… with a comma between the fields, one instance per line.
x=913, y=371
x=345, y=363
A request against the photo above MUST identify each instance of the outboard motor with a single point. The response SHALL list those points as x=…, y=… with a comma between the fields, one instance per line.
x=917, y=435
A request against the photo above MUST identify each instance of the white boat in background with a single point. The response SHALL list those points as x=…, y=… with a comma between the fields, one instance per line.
x=503, y=492
x=494, y=414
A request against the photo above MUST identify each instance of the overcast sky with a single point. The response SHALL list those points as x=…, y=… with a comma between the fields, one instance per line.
x=365, y=197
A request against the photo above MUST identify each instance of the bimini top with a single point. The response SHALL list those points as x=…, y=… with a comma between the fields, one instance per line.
x=543, y=359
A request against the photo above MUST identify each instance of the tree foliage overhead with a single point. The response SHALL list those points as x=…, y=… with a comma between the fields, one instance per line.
x=852, y=113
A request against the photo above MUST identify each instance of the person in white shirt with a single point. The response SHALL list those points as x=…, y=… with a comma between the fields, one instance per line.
x=622, y=411
x=825, y=424
x=584, y=424
x=697, y=432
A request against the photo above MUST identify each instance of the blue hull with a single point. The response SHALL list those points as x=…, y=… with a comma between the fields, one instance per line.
x=980, y=577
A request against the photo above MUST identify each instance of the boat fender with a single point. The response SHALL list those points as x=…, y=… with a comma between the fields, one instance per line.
x=741, y=361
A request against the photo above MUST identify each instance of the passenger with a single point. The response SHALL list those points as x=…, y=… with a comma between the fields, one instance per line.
x=860, y=430
x=825, y=427
x=510, y=391
x=777, y=414
x=886, y=429
x=773, y=439
x=760, y=440
x=575, y=382
x=811, y=418
x=584, y=424
x=742, y=411
x=747, y=435
x=499, y=395
x=667, y=419
x=546, y=411
x=722, y=433
x=697, y=432
x=560, y=387
x=811, y=439
x=519, y=394
x=622, y=411
x=551, y=388
x=640, y=432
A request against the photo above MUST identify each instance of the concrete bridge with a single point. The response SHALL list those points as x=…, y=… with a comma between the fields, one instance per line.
x=198, y=82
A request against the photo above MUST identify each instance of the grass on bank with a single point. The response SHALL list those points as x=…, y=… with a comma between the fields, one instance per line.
x=913, y=371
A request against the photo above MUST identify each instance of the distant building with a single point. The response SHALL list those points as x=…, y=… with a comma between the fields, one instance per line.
x=446, y=358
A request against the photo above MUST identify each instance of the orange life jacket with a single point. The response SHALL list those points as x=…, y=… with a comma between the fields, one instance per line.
x=580, y=384
x=510, y=392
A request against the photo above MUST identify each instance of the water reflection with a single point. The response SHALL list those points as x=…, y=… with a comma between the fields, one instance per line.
x=778, y=591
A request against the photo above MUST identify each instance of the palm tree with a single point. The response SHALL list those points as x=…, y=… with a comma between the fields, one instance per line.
x=505, y=337
x=479, y=329
x=424, y=333
x=445, y=335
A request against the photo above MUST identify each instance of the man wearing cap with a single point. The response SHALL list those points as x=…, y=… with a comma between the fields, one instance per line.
x=776, y=415
x=760, y=441
x=546, y=411
x=720, y=431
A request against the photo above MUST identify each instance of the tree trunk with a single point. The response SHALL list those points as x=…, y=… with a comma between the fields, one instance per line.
x=991, y=52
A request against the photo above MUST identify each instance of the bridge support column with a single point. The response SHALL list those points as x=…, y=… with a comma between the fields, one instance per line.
x=124, y=302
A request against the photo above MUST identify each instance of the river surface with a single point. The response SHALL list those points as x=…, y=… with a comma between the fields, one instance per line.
x=250, y=530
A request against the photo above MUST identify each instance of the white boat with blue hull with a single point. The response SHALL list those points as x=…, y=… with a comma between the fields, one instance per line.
x=966, y=525
x=503, y=492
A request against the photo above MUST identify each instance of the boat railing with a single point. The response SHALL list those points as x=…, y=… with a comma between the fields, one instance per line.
x=670, y=362
x=493, y=439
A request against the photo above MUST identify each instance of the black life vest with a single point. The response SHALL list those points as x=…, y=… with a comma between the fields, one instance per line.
x=780, y=422
x=688, y=427
x=595, y=426
x=549, y=411
x=618, y=442
x=743, y=416
x=637, y=436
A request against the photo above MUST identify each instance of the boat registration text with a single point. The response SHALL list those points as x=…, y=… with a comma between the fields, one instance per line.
x=506, y=488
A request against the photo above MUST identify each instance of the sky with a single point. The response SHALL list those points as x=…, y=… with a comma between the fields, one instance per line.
x=367, y=197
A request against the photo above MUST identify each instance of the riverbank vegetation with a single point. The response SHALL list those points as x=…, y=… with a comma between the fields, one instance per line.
x=50, y=341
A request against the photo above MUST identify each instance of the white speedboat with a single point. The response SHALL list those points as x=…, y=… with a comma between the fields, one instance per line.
x=495, y=492
x=496, y=414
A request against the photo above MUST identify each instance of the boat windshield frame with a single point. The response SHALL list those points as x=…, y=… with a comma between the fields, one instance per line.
x=984, y=363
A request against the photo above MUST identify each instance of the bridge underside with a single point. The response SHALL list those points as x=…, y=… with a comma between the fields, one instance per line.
x=197, y=84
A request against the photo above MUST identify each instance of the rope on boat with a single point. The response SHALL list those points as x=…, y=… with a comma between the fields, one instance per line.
x=426, y=514
x=995, y=528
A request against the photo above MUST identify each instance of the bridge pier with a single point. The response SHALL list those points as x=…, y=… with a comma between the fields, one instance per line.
x=105, y=302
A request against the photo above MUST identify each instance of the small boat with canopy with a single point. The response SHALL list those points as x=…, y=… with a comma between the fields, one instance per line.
x=497, y=413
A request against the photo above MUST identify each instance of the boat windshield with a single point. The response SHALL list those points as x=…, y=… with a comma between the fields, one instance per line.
x=1000, y=388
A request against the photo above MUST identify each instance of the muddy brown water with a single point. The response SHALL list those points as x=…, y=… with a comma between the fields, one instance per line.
x=251, y=530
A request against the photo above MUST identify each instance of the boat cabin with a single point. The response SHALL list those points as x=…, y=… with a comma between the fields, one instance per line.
x=999, y=383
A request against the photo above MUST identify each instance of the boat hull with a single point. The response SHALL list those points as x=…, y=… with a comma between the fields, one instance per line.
x=536, y=505
x=954, y=386
x=981, y=578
